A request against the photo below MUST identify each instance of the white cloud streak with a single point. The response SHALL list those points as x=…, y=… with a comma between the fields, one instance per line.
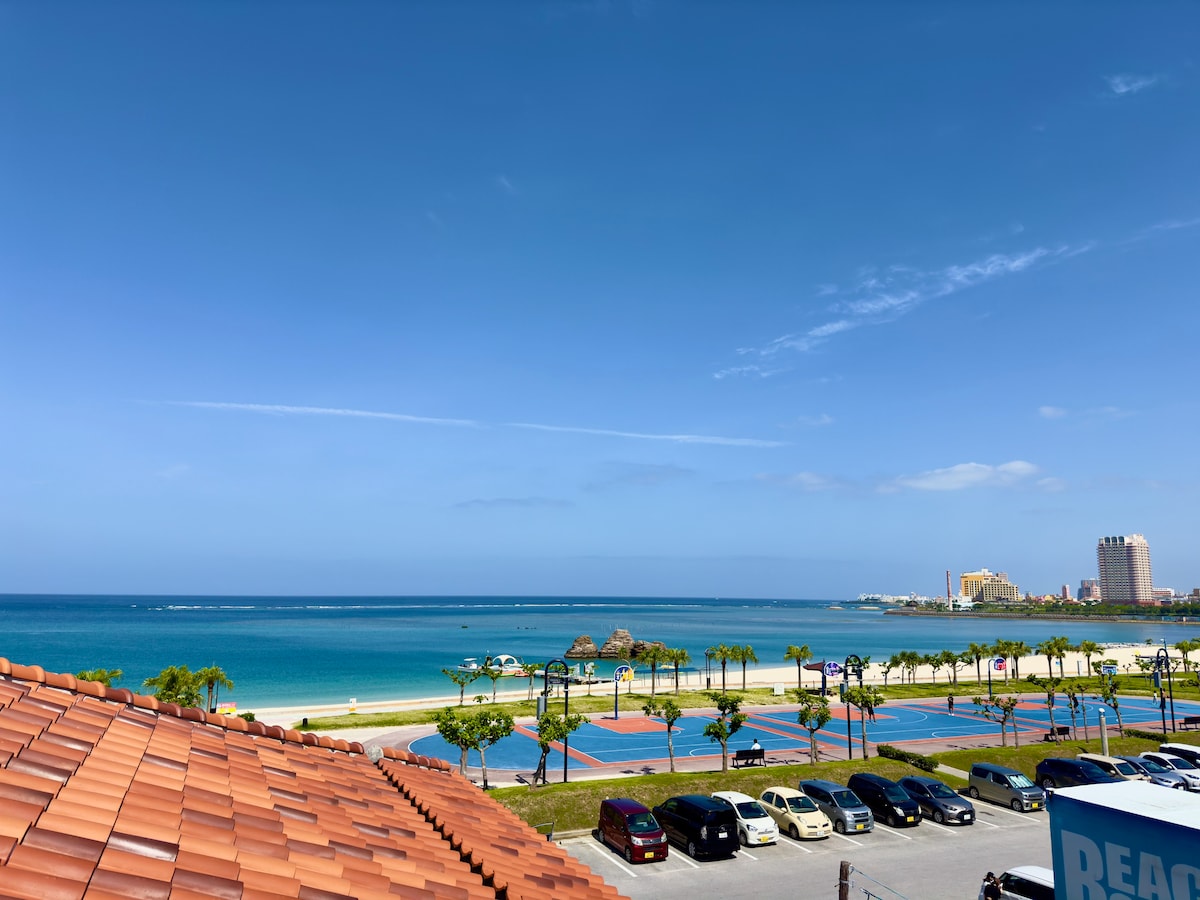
x=879, y=297
x=275, y=409
x=1051, y=412
x=970, y=475
x=673, y=438
x=1127, y=85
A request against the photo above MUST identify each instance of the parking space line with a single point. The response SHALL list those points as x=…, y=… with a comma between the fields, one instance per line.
x=687, y=859
x=884, y=829
x=612, y=857
x=796, y=845
x=747, y=855
x=929, y=823
x=848, y=840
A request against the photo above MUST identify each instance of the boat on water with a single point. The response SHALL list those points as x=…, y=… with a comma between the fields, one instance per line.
x=504, y=663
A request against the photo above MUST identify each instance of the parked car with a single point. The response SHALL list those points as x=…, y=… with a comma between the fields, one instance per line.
x=1114, y=766
x=1157, y=772
x=795, y=813
x=1190, y=752
x=1184, y=767
x=888, y=801
x=1009, y=787
x=845, y=809
x=938, y=801
x=753, y=824
x=1058, y=771
x=1026, y=883
x=631, y=829
x=702, y=825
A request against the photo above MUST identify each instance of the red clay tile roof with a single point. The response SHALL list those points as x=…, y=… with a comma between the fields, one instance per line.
x=105, y=793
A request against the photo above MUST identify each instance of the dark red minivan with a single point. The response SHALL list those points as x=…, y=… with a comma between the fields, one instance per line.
x=631, y=829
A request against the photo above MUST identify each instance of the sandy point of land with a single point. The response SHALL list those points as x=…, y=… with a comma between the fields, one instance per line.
x=780, y=677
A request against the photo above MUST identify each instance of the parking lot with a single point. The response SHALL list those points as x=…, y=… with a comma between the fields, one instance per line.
x=928, y=862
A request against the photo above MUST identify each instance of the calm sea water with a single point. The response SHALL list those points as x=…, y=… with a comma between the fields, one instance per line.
x=288, y=651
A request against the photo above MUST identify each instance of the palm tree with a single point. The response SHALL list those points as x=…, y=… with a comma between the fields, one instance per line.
x=978, y=652
x=801, y=655
x=1184, y=648
x=723, y=654
x=746, y=654
x=107, y=676
x=934, y=661
x=678, y=656
x=1019, y=650
x=1047, y=648
x=1088, y=649
x=213, y=678
x=652, y=656
x=1062, y=646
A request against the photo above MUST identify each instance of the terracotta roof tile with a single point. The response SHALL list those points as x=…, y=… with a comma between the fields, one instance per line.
x=198, y=804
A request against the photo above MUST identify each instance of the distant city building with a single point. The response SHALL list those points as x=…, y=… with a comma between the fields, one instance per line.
x=989, y=587
x=1066, y=592
x=1125, y=570
x=1089, y=589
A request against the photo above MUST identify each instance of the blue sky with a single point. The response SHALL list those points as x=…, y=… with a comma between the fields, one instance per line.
x=631, y=298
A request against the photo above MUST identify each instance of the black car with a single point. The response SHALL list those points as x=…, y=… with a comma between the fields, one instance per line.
x=1056, y=772
x=702, y=825
x=889, y=801
x=938, y=801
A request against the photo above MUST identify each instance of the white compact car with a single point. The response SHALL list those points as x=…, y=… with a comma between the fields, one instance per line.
x=753, y=824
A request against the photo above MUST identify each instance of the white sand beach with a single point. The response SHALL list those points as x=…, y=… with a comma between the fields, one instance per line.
x=783, y=677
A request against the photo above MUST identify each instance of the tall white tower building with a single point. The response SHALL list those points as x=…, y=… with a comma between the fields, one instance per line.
x=1125, y=570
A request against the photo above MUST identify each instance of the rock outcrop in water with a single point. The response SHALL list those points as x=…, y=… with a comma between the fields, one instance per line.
x=620, y=645
x=583, y=648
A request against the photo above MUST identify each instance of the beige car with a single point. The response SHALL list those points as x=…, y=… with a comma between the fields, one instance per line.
x=795, y=813
x=1118, y=768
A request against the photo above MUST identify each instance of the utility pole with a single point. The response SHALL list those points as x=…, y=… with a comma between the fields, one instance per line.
x=844, y=881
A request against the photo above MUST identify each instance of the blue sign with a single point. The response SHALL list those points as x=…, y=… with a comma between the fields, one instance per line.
x=623, y=673
x=832, y=670
x=1108, y=670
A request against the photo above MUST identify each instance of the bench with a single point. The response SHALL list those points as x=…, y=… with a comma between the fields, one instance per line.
x=1190, y=722
x=1058, y=731
x=749, y=758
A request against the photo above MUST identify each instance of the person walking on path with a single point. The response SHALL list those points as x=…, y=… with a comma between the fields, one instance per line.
x=950, y=704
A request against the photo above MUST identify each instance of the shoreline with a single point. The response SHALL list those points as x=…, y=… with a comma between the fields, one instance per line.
x=1073, y=665
x=1039, y=616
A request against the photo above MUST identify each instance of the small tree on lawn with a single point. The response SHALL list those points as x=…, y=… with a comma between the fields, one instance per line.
x=814, y=714
x=530, y=670
x=553, y=728
x=669, y=713
x=1050, y=686
x=864, y=698
x=728, y=721
x=495, y=674
x=474, y=731
x=1002, y=710
x=1073, y=694
x=462, y=679
x=1108, y=694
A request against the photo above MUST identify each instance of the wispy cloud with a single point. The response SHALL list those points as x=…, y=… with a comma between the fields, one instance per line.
x=1051, y=412
x=881, y=296
x=970, y=475
x=1174, y=224
x=746, y=372
x=826, y=290
x=1095, y=412
x=505, y=185
x=642, y=436
x=276, y=409
x=618, y=475
x=1125, y=84
x=515, y=503
x=803, y=481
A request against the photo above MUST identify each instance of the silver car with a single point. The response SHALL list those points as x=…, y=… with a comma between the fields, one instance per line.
x=1177, y=763
x=1157, y=772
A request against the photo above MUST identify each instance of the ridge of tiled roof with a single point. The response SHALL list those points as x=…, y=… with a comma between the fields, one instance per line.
x=104, y=794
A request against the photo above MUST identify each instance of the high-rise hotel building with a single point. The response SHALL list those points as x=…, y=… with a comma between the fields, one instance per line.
x=1125, y=570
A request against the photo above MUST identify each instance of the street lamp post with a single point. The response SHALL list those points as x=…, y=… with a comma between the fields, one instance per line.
x=708, y=655
x=856, y=662
x=1162, y=663
x=565, y=681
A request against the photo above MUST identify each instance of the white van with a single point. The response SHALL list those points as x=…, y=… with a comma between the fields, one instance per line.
x=1026, y=883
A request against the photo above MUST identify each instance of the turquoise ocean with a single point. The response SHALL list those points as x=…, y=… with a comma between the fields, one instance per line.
x=291, y=651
